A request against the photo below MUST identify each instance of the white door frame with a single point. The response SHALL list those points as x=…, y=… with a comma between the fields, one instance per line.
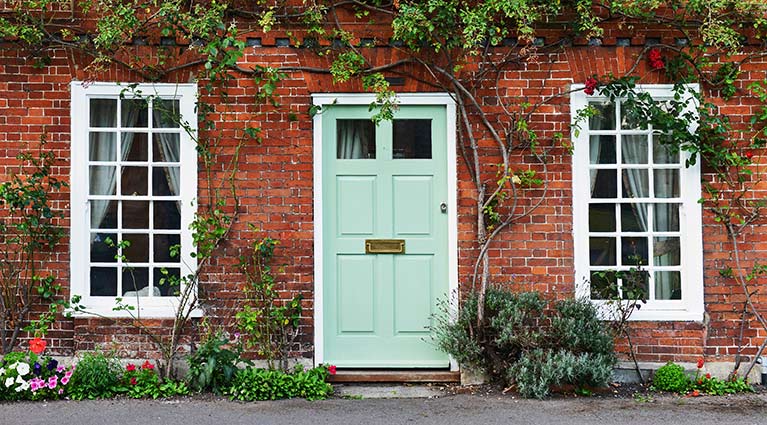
x=432, y=99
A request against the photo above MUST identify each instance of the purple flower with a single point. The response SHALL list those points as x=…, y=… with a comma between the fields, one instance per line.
x=52, y=364
x=36, y=369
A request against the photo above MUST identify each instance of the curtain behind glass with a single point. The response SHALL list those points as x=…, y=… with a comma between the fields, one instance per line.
x=353, y=139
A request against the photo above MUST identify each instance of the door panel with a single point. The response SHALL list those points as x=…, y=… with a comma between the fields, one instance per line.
x=383, y=182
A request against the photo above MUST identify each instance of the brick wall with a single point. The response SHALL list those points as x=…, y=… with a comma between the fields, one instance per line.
x=276, y=186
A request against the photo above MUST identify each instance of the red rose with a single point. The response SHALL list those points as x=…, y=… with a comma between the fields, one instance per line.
x=133, y=381
x=749, y=154
x=591, y=84
x=700, y=381
x=130, y=367
x=37, y=345
x=332, y=369
x=655, y=59
x=708, y=376
x=695, y=393
x=700, y=363
x=147, y=365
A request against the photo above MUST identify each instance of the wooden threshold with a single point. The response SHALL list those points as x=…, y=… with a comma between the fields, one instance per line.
x=398, y=376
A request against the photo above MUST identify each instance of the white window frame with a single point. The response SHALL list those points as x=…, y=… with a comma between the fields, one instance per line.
x=82, y=92
x=690, y=307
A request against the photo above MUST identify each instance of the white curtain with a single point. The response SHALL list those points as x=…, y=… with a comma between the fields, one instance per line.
x=103, y=179
x=635, y=181
x=353, y=139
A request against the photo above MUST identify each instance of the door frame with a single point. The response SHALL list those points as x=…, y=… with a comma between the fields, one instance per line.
x=431, y=99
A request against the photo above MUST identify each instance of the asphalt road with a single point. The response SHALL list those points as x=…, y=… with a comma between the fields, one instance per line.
x=448, y=410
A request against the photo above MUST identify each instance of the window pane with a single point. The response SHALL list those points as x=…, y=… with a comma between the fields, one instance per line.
x=602, y=149
x=134, y=113
x=631, y=117
x=165, y=147
x=135, y=214
x=166, y=281
x=134, y=181
x=138, y=251
x=103, y=112
x=166, y=215
x=134, y=147
x=102, y=180
x=634, y=149
x=602, y=251
x=603, y=184
x=603, y=285
x=134, y=280
x=412, y=139
x=666, y=251
x=165, y=113
x=605, y=117
x=103, y=214
x=636, y=183
x=666, y=183
x=103, y=247
x=162, y=247
x=663, y=153
x=666, y=218
x=668, y=285
x=635, y=285
x=602, y=218
x=103, y=281
x=634, y=217
x=102, y=146
x=634, y=251
x=165, y=181
x=355, y=139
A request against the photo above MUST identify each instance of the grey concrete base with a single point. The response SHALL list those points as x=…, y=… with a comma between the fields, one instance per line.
x=359, y=391
x=470, y=376
x=626, y=372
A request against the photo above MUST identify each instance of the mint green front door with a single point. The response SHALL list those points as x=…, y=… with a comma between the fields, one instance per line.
x=385, y=182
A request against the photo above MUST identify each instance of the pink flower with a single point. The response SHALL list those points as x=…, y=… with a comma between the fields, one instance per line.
x=52, y=382
x=133, y=381
x=60, y=368
x=65, y=380
x=130, y=367
x=61, y=391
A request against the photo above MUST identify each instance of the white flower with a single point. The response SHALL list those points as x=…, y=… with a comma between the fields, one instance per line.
x=22, y=368
x=22, y=387
x=13, y=366
x=2, y=371
x=516, y=179
x=9, y=382
x=20, y=380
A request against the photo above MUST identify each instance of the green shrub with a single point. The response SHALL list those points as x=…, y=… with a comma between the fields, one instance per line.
x=251, y=384
x=520, y=345
x=213, y=365
x=97, y=375
x=672, y=378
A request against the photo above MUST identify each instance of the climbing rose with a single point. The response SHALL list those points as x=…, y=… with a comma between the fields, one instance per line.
x=749, y=154
x=130, y=367
x=591, y=84
x=656, y=62
x=332, y=369
x=37, y=345
x=147, y=365
x=700, y=363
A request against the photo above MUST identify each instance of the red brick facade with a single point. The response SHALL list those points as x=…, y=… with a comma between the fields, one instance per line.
x=276, y=187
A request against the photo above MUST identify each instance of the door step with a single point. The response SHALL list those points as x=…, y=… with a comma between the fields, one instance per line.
x=398, y=376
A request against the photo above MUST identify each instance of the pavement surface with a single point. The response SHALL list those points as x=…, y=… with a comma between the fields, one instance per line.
x=463, y=409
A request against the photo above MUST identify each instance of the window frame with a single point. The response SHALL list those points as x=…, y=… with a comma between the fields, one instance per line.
x=691, y=306
x=81, y=93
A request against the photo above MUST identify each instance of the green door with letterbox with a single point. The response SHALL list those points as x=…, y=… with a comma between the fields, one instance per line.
x=385, y=227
